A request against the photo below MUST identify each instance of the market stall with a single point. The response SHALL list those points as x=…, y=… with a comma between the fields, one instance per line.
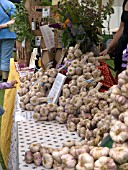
x=65, y=112
x=51, y=135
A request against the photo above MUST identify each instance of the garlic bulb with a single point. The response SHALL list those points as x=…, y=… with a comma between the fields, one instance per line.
x=105, y=163
x=85, y=162
x=44, y=111
x=97, y=152
x=71, y=126
x=69, y=143
x=28, y=157
x=119, y=154
x=35, y=147
x=119, y=132
x=57, y=153
x=37, y=158
x=68, y=161
x=123, y=167
x=77, y=150
x=47, y=160
x=125, y=144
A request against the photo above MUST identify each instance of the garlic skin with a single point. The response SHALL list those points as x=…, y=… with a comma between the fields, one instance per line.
x=119, y=154
x=123, y=167
x=77, y=150
x=57, y=153
x=37, y=158
x=34, y=147
x=36, y=116
x=85, y=162
x=105, y=163
x=47, y=160
x=125, y=144
x=66, y=92
x=68, y=161
x=71, y=126
x=97, y=152
x=69, y=143
x=44, y=111
x=119, y=132
x=28, y=157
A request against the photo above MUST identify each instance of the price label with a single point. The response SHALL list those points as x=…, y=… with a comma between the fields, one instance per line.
x=56, y=88
x=48, y=36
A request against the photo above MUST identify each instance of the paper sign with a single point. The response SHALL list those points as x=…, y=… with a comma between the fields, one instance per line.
x=23, y=116
x=56, y=88
x=23, y=43
x=48, y=36
x=45, y=12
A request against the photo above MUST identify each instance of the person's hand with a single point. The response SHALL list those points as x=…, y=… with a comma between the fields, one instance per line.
x=14, y=83
x=1, y=27
x=103, y=52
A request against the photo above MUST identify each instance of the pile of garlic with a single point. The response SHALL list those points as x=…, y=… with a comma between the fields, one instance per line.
x=93, y=121
x=72, y=156
x=119, y=121
x=33, y=92
x=84, y=75
x=93, y=115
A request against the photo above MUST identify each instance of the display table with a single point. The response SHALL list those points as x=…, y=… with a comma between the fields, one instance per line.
x=19, y=127
x=26, y=131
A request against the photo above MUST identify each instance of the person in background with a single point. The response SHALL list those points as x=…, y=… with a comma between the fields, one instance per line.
x=6, y=85
x=120, y=40
x=7, y=37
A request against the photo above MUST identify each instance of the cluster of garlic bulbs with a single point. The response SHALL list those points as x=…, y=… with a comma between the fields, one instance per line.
x=34, y=91
x=119, y=121
x=84, y=77
x=93, y=121
x=72, y=156
x=28, y=80
x=45, y=112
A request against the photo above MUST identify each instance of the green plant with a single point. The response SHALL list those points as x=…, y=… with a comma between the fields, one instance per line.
x=46, y=3
x=80, y=22
x=22, y=26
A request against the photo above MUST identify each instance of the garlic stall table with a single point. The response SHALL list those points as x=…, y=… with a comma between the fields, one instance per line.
x=26, y=131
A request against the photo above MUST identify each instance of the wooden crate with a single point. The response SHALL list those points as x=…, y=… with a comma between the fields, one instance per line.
x=23, y=54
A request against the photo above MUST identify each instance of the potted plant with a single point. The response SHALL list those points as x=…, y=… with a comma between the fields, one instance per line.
x=80, y=22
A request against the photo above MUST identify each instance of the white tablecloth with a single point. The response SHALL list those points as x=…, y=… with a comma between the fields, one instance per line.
x=26, y=131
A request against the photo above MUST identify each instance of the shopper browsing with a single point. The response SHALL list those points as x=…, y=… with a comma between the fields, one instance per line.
x=120, y=40
x=7, y=37
x=5, y=85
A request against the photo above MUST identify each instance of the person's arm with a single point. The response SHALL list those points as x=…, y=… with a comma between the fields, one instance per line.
x=8, y=85
x=7, y=24
x=114, y=40
x=116, y=37
x=12, y=14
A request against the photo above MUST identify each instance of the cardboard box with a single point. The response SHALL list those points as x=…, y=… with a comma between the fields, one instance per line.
x=35, y=2
x=48, y=57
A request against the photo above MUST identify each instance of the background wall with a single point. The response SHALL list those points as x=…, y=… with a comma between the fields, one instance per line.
x=115, y=18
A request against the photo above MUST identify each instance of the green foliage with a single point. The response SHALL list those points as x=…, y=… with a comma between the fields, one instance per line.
x=46, y=3
x=22, y=26
x=80, y=22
